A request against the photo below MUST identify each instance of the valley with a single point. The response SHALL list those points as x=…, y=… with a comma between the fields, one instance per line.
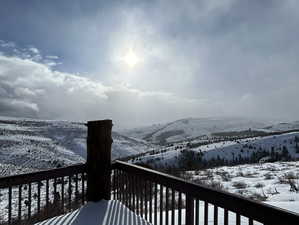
x=254, y=159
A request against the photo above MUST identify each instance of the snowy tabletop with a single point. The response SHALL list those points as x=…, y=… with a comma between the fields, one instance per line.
x=98, y=213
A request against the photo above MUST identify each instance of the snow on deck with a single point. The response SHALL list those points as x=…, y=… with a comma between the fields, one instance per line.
x=98, y=213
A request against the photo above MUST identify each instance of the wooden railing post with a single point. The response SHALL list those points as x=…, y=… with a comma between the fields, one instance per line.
x=99, y=160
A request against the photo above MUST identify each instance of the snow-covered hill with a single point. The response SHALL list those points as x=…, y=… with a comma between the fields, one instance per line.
x=273, y=147
x=27, y=145
x=191, y=128
x=276, y=183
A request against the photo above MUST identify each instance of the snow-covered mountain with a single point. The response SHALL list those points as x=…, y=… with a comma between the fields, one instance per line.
x=191, y=128
x=269, y=148
x=27, y=145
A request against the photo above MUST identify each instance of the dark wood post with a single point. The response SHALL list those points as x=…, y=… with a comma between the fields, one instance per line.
x=99, y=160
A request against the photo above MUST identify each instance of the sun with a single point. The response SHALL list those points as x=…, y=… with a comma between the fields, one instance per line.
x=131, y=59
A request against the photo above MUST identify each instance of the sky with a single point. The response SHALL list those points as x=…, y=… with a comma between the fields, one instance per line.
x=142, y=62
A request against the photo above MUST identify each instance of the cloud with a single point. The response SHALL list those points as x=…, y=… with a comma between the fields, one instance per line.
x=14, y=107
x=27, y=52
x=197, y=58
x=34, y=50
x=33, y=89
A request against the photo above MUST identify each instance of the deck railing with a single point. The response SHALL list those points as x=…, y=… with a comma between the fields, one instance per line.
x=31, y=197
x=163, y=200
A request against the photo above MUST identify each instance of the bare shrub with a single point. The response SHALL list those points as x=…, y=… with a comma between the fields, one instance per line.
x=200, y=180
x=272, y=191
x=290, y=175
x=259, y=185
x=240, y=174
x=210, y=183
x=185, y=175
x=287, y=178
x=258, y=197
x=273, y=169
x=251, y=175
x=282, y=180
x=239, y=185
x=225, y=176
x=197, y=172
x=216, y=184
x=209, y=174
x=293, y=186
x=242, y=192
x=268, y=176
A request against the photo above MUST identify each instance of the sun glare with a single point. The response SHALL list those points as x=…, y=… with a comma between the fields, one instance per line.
x=131, y=59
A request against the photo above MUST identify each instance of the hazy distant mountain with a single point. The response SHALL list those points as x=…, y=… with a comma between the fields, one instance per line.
x=190, y=128
x=283, y=126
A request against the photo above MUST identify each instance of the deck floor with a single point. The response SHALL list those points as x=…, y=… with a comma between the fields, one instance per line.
x=98, y=213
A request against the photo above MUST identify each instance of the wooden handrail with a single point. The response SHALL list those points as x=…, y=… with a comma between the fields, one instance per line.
x=252, y=209
x=26, y=178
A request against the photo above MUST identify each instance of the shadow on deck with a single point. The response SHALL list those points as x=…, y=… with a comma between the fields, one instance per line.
x=98, y=213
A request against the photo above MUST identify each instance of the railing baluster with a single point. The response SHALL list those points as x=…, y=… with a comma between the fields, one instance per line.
x=180, y=209
x=151, y=203
x=83, y=189
x=161, y=204
x=29, y=200
x=225, y=217
x=70, y=192
x=166, y=206
x=189, y=210
x=137, y=195
x=206, y=217
x=38, y=197
x=215, y=215
x=55, y=192
x=20, y=204
x=142, y=196
x=133, y=180
x=76, y=189
x=172, y=206
x=238, y=219
x=145, y=199
x=121, y=186
x=197, y=212
x=250, y=221
x=114, y=185
x=9, y=204
x=127, y=190
x=156, y=205
x=47, y=195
